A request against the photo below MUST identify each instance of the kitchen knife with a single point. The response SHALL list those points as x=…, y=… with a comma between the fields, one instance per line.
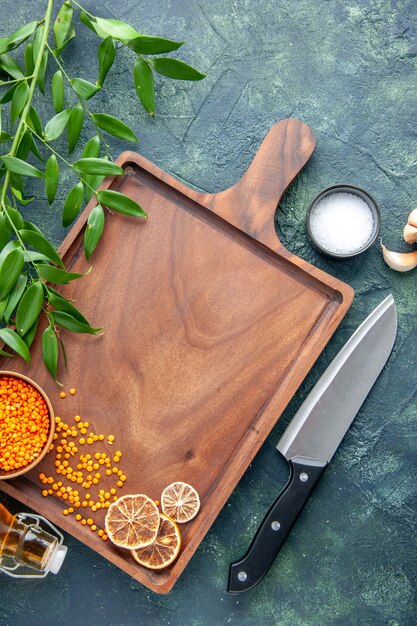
x=314, y=435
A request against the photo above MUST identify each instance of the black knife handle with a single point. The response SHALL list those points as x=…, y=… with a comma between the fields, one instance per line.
x=277, y=523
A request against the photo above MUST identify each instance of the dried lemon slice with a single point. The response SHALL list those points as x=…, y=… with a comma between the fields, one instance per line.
x=180, y=502
x=132, y=521
x=164, y=550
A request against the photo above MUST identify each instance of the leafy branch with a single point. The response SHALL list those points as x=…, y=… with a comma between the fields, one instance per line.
x=29, y=263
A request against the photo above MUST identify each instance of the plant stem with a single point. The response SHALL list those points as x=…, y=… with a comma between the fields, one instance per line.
x=22, y=123
x=3, y=83
x=82, y=9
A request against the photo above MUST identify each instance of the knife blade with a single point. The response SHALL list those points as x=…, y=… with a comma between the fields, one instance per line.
x=314, y=435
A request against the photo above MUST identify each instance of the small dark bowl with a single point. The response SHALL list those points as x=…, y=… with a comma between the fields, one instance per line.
x=364, y=195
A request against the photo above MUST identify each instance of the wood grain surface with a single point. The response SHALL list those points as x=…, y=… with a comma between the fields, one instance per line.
x=210, y=327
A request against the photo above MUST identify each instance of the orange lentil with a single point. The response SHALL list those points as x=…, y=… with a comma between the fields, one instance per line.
x=62, y=394
x=78, y=517
x=24, y=423
x=119, y=483
x=83, y=522
x=72, y=391
x=81, y=441
x=104, y=537
x=77, y=418
x=100, y=532
x=111, y=438
x=93, y=527
x=90, y=522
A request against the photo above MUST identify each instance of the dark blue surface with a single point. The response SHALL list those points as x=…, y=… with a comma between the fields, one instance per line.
x=348, y=69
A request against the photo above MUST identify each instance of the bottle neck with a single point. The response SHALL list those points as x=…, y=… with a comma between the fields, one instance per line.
x=26, y=544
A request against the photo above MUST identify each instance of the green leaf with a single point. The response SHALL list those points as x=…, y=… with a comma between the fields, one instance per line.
x=34, y=122
x=92, y=148
x=4, y=230
x=4, y=45
x=21, y=167
x=15, y=217
x=33, y=147
x=74, y=126
x=93, y=182
x=22, y=33
x=24, y=146
x=29, y=308
x=86, y=20
x=62, y=24
x=143, y=79
x=119, y=202
x=93, y=230
x=19, y=100
x=37, y=40
x=70, y=323
x=41, y=244
x=56, y=275
x=153, y=45
x=40, y=81
x=8, y=96
x=114, y=28
x=71, y=36
x=52, y=177
x=114, y=126
x=56, y=126
x=23, y=201
x=15, y=342
x=30, y=335
x=106, y=56
x=58, y=91
x=14, y=297
x=4, y=136
x=28, y=59
x=73, y=204
x=9, y=65
x=29, y=226
x=3, y=305
x=62, y=304
x=14, y=244
x=34, y=257
x=175, y=69
x=100, y=167
x=10, y=268
x=83, y=88
x=50, y=350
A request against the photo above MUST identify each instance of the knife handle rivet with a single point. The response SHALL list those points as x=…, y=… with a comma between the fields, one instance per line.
x=275, y=525
x=303, y=477
x=242, y=576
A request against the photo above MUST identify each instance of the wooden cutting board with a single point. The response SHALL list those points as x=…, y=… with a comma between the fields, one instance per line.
x=210, y=327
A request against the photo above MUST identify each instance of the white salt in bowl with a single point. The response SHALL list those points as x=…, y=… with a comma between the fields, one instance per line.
x=343, y=221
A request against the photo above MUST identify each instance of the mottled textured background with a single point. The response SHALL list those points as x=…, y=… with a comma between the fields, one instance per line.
x=348, y=69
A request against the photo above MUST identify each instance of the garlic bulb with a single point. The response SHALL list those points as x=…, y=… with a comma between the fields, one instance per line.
x=410, y=229
x=401, y=262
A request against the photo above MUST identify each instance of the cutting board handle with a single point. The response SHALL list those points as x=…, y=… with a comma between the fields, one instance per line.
x=251, y=203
